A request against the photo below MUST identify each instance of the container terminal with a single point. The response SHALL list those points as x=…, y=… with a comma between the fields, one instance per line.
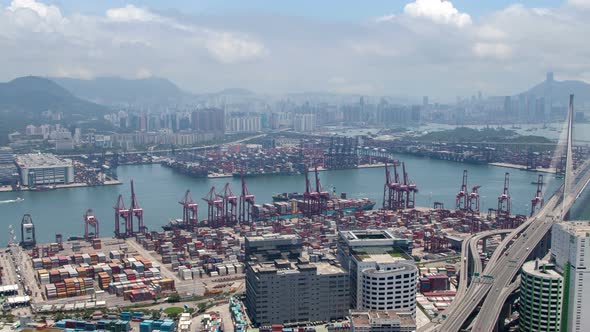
x=207, y=258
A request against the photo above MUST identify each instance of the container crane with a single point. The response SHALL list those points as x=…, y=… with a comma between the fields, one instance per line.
x=189, y=211
x=504, y=198
x=137, y=212
x=462, y=196
x=122, y=215
x=246, y=203
x=91, y=226
x=214, y=208
x=229, y=206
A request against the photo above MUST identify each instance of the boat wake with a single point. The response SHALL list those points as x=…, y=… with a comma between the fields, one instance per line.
x=17, y=200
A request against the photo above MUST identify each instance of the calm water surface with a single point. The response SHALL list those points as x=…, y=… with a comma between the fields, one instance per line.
x=159, y=189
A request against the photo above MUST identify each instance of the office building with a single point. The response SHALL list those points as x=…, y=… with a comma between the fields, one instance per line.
x=381, y=321
x=541, y=297
x=380, y=277
x=269, y=247
x=44, y=169
x=285, y=285
x=570, y=246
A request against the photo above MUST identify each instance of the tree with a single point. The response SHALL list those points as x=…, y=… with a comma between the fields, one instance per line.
x=173, y=298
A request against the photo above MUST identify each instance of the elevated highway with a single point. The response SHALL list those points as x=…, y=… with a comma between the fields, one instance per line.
x=506, y=262
x=499, y=277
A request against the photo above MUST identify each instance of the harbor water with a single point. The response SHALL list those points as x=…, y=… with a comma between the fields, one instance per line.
x=159, y=189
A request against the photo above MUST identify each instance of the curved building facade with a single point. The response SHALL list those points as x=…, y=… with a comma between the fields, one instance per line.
x=389, y=286
x=541, y=297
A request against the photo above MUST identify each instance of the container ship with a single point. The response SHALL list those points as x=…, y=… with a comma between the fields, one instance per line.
x=262, y=173
x=174, y=224
x=295, y=207
x=285, y=197
x=190, y=169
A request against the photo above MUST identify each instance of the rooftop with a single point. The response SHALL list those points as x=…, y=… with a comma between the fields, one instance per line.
x=290, y=267
x=378, y=317
x=542, y=269
x=273, y=237
x=580, y=228
x=359, y=235
x=41, y=160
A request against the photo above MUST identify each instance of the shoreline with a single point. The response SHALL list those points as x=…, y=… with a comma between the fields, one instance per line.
x=524, y=168
x=63, y=186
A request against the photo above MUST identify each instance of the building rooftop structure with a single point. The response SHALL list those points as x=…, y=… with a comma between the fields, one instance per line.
x=286, y=267
x=41, y=160
x=375, y=318
x=379, y=246
x=541, y=269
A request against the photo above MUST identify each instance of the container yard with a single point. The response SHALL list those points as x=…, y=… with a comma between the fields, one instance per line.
x=118, y=272
x=192, y=257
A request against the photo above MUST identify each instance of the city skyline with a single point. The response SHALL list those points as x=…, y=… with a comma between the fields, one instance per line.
x=402, y=48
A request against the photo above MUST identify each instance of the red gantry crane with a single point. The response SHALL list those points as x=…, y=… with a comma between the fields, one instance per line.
x=137, y=212
x=310, y=198
x=91, y=228
x=229, y=206
x=214, y=208
x=391, y=188
x=246, y=203
x=122, y=215
x=189, y=211
x=504, y=199
x=462, y=196
x=323, y=196
x=411, y=190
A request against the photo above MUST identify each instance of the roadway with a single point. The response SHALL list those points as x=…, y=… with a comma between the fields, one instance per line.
x=469, y=251
x=152, y=151
x=505, y=263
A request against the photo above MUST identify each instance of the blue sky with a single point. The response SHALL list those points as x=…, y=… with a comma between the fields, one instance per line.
x=320, y=9
x=372, y=47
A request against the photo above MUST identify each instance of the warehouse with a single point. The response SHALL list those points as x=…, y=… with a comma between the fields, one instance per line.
x=44, y=169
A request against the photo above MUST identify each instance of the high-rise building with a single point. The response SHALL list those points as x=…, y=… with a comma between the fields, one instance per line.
x=508, y=107
x=304, y=122
x=380, y=278
x=208, y=120
x=541, y=297
x=425, y=101
x=286, y=285
x=570, y=246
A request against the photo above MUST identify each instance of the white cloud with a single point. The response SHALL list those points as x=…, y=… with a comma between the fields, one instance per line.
x=439, y=11
x=131, y=13
x=580, y=3
x=492, y=50
x=386, y=18
x=416, y=52
x=33, y=15
x=228, y=48
x=43, y=10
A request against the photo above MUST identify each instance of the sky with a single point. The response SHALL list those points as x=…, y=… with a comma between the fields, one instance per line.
x=437, y=48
